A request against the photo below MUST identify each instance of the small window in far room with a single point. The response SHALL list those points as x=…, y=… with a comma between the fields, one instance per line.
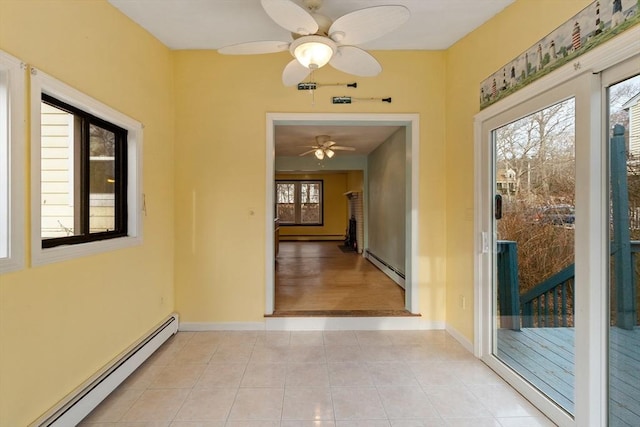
x=299, y=202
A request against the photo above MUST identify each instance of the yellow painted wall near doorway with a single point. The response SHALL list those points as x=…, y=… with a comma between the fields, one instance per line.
x=221, y=107
x=469, y=62
x=355, y=181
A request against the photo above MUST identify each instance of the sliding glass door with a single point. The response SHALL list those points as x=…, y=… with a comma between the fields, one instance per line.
x=538, y=158
x=558, y=180
x=534, y=220
x=623, y=142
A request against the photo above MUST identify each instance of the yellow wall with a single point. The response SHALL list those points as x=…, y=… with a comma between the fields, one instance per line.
x=61, y=323
x=334, y=207
x=221, y=106
x=469, y=62
x=355, y=180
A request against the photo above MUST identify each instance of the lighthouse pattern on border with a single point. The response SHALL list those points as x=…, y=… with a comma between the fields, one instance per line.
x=579, y=34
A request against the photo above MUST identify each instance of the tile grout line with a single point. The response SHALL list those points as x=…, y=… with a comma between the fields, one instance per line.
x=395, y=355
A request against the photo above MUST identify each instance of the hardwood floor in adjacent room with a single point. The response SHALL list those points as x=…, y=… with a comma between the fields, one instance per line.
x=318, y=278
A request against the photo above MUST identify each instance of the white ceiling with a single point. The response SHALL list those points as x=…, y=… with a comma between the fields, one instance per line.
x=212, y=24
x=294, y=140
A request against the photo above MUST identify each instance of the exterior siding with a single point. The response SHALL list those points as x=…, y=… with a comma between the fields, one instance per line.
x=634, y=129
x=57, y=191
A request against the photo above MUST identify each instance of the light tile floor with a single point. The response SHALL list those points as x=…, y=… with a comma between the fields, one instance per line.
x=319, y=379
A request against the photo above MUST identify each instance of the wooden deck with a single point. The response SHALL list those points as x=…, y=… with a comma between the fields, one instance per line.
x=545, y=357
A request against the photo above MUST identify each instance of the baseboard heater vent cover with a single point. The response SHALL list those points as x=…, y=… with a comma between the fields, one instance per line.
x=71, y=410
x=392, y=272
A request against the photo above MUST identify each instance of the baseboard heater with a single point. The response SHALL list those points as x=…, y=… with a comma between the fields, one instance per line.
x=393, y=273
x=310, y=237
x=84, y=399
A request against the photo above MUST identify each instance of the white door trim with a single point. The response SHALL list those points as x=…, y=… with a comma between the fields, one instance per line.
x=412, y=124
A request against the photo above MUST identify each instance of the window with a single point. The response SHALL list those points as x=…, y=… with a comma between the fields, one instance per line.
x=299, y=202
x=86, y=157
x=11, y=163
x=82, y=176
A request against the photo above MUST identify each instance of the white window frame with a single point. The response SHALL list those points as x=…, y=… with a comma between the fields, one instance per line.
x=43, y=83
x=12, y=147
x=591, y=237
x=297, y=183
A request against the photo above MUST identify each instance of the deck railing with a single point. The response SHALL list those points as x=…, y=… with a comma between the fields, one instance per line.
x=548, y=303
x=551, y=302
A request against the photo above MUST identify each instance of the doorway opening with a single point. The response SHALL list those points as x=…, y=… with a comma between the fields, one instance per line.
x=325, y=278
x=408, y=123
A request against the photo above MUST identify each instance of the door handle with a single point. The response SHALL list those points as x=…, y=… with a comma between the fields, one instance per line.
x=498, y=207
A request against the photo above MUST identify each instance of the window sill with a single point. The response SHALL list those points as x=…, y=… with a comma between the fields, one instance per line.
x=41, y=256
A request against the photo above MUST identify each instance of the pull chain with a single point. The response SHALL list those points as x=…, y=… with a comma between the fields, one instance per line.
x=313, y=91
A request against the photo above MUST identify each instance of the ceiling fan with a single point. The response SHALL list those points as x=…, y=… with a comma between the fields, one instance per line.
x=317, y=40
x=325, y=147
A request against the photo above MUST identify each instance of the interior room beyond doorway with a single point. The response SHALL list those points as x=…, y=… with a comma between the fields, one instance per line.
x=324, y=278
x=287, y=137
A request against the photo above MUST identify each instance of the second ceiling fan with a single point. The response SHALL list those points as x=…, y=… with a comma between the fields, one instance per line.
x=325, y=147
x=317, y=40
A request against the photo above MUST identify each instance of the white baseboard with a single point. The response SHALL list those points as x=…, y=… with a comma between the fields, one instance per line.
x=350, y=323
x=460, y=338
x=318, y=324
x=407, y=323
x=221, y=326
x=312, y=238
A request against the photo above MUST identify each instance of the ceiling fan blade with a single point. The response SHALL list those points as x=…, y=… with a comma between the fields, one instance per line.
x=353, y=60
x=307, y=152
x=252, y=48
x=294, y=73
x=368, y=24
x=338, y=147
x=290, y=16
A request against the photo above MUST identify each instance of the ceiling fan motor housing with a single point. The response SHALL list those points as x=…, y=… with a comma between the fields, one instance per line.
x=312, y=5
x=323, y=139
x=323, y=22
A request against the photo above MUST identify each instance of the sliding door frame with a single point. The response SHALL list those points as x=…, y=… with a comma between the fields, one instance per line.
x=582, y=77
x=609, y=77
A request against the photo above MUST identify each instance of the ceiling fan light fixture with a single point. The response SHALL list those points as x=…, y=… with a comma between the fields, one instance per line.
x=319, y=154
x=313, y=52
x=329, y=152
